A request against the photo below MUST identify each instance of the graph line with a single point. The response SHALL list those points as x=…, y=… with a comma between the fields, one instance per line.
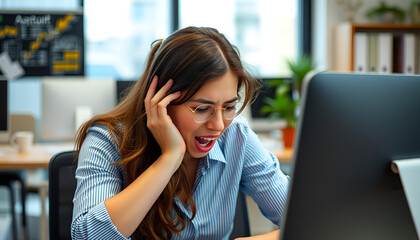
x=8, y=30
x=60, y=26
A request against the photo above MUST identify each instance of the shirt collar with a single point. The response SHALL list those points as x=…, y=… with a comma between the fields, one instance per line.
x=216, y=153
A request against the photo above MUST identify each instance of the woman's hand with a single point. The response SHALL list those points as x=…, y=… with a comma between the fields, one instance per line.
x=159, y=122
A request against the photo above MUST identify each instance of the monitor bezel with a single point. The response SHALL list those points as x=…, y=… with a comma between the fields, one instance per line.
x=75, y=93
x=5, y=133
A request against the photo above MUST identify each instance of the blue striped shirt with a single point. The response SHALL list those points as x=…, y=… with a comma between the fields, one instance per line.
x=237, y=162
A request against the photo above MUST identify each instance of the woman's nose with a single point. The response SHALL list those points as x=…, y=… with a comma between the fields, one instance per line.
x=216, y=122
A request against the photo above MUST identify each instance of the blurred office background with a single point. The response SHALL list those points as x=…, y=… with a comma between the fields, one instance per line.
x=118, y=35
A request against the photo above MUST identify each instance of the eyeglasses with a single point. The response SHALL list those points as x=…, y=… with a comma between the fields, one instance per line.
x=205, y=112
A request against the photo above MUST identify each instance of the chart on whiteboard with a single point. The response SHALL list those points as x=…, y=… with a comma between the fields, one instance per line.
x=44, y=43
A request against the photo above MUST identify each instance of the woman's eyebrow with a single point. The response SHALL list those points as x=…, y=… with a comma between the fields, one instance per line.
x=205, y=101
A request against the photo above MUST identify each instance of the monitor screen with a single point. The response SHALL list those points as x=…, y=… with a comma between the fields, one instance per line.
x=123, y=87
x=351, y=128
x=258, y=121
x=4, y=112
x=68, y=102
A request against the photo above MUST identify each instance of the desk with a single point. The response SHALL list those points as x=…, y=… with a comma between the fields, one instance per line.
x=276, y=146
x=38, y=157
x=283, y=155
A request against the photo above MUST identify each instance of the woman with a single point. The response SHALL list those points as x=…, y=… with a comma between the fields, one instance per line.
x=169, y=160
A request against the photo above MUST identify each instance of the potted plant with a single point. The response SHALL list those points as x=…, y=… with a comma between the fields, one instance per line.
x=386, y=14
x=286, y=101
x=284, y=106
x=299, y=69
x=415, y=12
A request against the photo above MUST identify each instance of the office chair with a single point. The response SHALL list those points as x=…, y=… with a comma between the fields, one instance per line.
x=61, y=187
x=62, y=184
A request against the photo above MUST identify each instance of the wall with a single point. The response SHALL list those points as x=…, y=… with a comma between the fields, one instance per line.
x=326, y=15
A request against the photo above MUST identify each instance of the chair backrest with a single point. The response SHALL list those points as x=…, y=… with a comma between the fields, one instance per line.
x=241, y=222
x=21, y=122
x=62, y=185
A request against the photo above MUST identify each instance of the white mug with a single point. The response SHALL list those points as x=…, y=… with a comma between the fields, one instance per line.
x=23, y=140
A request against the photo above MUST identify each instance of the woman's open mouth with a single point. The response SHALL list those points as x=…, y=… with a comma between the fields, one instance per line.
x=204, y=144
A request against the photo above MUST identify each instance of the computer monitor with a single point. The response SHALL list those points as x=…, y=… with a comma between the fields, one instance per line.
x=258, y=121
x=351, y=128
x=123, y=87
x=4, y=112
x=68, y=102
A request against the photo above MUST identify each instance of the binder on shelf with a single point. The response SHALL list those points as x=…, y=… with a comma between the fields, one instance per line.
x=417, y=56
x=373, y=52
x=360, y=52
x=385, y=52
x=409, y=52
x=397, y=54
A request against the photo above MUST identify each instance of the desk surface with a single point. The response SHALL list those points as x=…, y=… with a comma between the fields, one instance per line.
x=275, y=145
x=40, y=155
x=283, y=155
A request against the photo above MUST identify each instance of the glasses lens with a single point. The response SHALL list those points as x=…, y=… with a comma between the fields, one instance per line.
x=203, y=113
x=230, y=112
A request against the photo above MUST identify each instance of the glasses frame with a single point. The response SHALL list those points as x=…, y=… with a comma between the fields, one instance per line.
x=193, y=110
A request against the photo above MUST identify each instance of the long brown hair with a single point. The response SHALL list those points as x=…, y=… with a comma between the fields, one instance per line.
x=191, y=57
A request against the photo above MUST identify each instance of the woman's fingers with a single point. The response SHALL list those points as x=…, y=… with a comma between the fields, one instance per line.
x=158, y=99
x=152, y=88
x=156, y=105
x=163, y=104
x=150, y=93
x=152, y=98
x=162, y=92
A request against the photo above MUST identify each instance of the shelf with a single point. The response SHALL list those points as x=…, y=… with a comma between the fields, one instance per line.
x=386, y=26
x=344, y=43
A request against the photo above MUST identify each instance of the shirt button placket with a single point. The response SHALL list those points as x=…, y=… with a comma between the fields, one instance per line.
x=195, y=226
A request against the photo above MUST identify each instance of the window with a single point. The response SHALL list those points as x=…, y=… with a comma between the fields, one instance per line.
x=265, y=31
x=119, y=35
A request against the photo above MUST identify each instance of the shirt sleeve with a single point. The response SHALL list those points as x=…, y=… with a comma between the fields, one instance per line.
x=97, y=180
x=262, y=178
